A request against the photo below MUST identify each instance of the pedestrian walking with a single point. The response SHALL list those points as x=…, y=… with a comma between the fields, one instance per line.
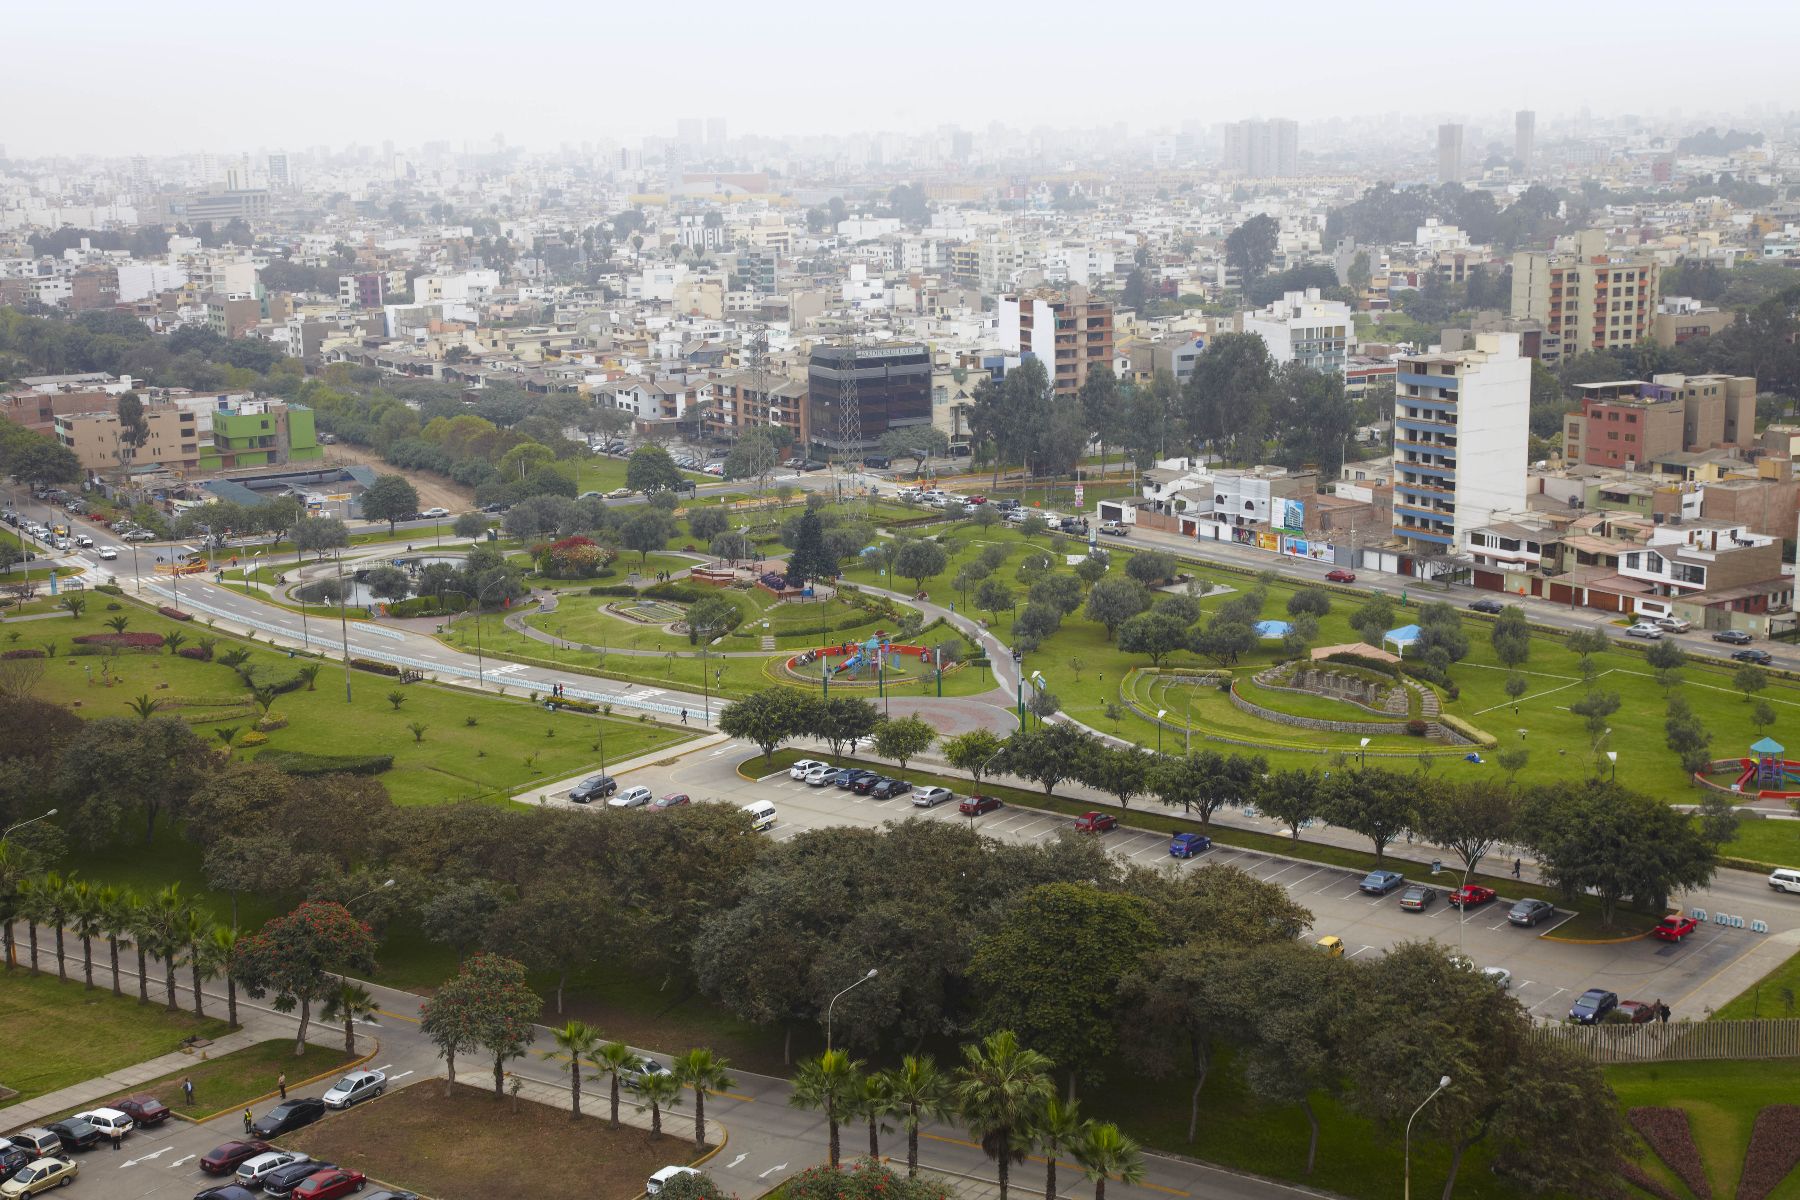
x=247, y=1121
x=187, y=1089
x=1517, y=863
x=684, y=716
x=1662, y=1011
x=281, y=1082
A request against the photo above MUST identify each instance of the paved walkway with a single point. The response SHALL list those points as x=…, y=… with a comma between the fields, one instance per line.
x=549, y=793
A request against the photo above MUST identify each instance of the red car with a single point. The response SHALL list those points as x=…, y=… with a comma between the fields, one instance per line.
x=1673, y=928
x=1636, y=1011
x=1469, y=895
x=328, y=1184
x=223, y=1160
x=974, y=806
x=147, y=1111
x=1096, y=822
x=672, y=800
x=974, y=500
x=1339, y=575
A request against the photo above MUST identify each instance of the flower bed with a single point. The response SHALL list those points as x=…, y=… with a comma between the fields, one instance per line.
x=1774, y=1151
x=1667, y=1132
x=175, y=614
x=197, y=653
x=125, y=641
x=25, y=653
x=1635, y=1175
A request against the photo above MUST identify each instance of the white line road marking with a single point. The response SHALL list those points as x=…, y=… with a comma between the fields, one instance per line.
x=772, y=1170
x=1145, y=850
x=1360, y=951
x=402, y=1075
x=179, y=1161
x=734, y=1162
x=384, y=1066
x=1547, y=999
x=1293, y=883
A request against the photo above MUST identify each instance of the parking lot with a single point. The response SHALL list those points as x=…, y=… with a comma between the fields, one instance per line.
x=1546, y=974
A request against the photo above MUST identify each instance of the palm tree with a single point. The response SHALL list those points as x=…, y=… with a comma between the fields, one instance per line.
x=1058, y=1127
x=144, y=707
x=348, y=1002
x=195, y=935
x=87, y=917
x=829, y=1083
x=1103, y=1151
x=221, y=945
x=18, y=868
x=115, y=922
x=118, y=624
x=1000, y=1087
x=577, y=1039
x=310, y=673
x=143, y=937
x=918, y=1090
x=705, y=1072
x=166, y=925
x=31, y=907
x=56, y=896
x=656, y=1092
x=873, y=1104
x=610, y=1059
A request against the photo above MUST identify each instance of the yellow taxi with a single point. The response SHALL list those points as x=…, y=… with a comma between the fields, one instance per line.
x=1332, y=945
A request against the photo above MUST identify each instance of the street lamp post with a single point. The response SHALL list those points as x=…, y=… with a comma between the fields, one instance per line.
x=7, y=832
x=1406, y=1184
x=352, y=900
x=834, y=1001
x=480, y=599
x=1362, y=753
x=1159, y=729
x=344, y=623
x=1612, y=756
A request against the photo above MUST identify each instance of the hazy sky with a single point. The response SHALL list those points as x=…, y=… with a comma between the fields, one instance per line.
x=114, y=77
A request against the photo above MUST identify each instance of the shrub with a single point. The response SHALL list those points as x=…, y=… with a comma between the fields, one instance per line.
x=1667, y=1132
x=22, y=654
x=247, y=740
x=86, y=651
x=1774, y=1151
x=111, y=589
x=1417, y=728
x=271, y=723
x=175, y=614
x=864, y=1179
x=375, y=668
x=115, y=606
x=125, y=641
x=1480, y=737
x=197, y=653
x=296, y=762
x=1391, y=670
x=612, y=589
x=686, y=593
x=580, y=706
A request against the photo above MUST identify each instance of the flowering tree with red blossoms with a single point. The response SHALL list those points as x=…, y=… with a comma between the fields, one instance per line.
x=300, y=958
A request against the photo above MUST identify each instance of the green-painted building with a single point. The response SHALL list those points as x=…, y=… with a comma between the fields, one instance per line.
x=261, y=433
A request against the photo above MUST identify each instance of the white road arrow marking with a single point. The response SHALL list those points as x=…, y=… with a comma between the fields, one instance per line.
x=402, y=1075
x=772, y=1170
x=734, y=1162
x=179, y=1161
x=384, y=1066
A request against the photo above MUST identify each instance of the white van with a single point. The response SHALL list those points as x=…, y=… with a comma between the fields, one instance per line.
x=762, y=815
x=654, y=1185
x=1787, y=879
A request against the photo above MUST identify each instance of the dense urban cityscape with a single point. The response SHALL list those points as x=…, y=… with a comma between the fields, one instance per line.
x=708, y=645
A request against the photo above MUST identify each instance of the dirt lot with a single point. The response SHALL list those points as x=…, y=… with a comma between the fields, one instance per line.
x=471, y=1146
x=434, y=490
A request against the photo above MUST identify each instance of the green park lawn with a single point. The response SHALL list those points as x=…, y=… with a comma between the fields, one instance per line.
x=512, y=743
x=58, y=1033
x=236, y=1079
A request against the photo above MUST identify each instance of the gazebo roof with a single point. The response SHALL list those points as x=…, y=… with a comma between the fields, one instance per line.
x=1768, y=746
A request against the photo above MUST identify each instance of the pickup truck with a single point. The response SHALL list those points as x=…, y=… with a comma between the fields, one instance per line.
x=1673, y=928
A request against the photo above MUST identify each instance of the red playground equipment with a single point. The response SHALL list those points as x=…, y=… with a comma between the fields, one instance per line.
x=1768, y=774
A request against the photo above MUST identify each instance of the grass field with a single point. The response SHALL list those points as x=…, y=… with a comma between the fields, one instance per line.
x=1722, y=1100
x=58, y=1034
x=1776, y=994
x=243, y=1076
x=471, y=1145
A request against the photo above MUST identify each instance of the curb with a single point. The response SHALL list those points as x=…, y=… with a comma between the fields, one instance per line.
x=1636, y=937
x=266, y=1095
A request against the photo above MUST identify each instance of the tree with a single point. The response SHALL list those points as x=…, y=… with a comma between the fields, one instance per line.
x=1595, y=709
x=1056, y=1128
x=86, y=919
x=903, y=739
x=390, y=498
x=469, y=526
x=707, y=523
x=1151, y=567
x=705, y=1072
x=651, y=470
x=349, y=1003
x=916, y=1090
x=1373, y=619
x=1378, y=804
x=994, y=597
x=754, y=457
x=1251, y=247
x=647, y=531
x=389, y=583
x=134, y=428
x=319, y=534
x=1511, y=636
x=808, y=558
x=221, y=955
x=1598, y=837
x=843, y=721
x=458, y=914
x=610, y=1060
x=1105, y=1153
x=972, y=752
x=1222, y=639
x=657, y=1092
x=488, y=1005
x=1058, y=591
x=112, y=762
x=768, y=718
x=1035, y=623
x=1666, y=659
x=1469, y=818
x=1292, y=797
x=1114, y=600
x=917, y=442
x=919, y=560
x=710, y=616
x=1123, y=772
x=1000, y=1087
x=1048, y=754
x=1155, y=634
x=829, y=1084
x=1750, y=679
x=1204, y=781
x=297, y=957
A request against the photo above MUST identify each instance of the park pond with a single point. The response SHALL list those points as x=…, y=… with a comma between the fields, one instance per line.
x=356, y=590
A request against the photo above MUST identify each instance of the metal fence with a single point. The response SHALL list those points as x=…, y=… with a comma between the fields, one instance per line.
x=1679, y=1040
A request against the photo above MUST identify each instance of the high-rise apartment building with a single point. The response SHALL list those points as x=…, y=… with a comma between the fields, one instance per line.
x=1450, y=153
x=1462, y=420
x=279, y=176
x=1069, y=332
x=1303, y=327
x=893, y=390
x=1263, y=149
x=1591, y=298
x=1524, y=137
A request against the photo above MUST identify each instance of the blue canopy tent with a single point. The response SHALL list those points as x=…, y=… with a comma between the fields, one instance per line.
x=1401, y=638
x=1273, y=629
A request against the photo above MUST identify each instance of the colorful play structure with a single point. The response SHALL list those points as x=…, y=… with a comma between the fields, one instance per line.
x=862, y=661
x=1765, y=774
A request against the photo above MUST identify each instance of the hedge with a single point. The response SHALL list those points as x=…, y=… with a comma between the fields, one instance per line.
x=580, y=706
x=1391, y=670
x=111, y=589
x=377, y=668
x=1480, y=737
x=677, y=590
x=174, y=614
x=612, y=589
x=247, y=740
x=22, y=654
x=297, y=762
x=197, y=653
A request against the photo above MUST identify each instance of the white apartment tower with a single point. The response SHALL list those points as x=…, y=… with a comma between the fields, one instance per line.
x=1462, y=421
x=1304, y=328
x=1450, y=153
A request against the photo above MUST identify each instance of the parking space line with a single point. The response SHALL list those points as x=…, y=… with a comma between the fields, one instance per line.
x=1292, y=883
x=1360, y=951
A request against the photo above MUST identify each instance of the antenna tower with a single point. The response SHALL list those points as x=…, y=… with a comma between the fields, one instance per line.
x=849, y=407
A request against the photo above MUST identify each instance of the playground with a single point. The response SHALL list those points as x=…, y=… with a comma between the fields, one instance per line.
x=875, y=662
x=1762, y=775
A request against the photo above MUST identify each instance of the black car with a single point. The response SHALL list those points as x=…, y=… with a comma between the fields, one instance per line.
x=1761, y=658
x=594, y=787
x=1592, y=1006
x=76, y=1134
x=226, y=1191
x=13, y=1160
x=283, y=1180
x=867, y=782
x=288, y=1116
x=1733, y=637
x=849, y=779
x=1491, y=607
x=887, y=789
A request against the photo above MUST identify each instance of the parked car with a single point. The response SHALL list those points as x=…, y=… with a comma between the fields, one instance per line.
x=391, y=1194
x=1674, y=927
x=1673, y=624
x=1339, y=575
x=76, y=1134
x=1733, y=637
x=1380, y=883
x=1484, y=605
x=864, y=782
x=653, y=1186
x=355, y=1087
x=887, y=789
x=1591, y=1007
x=594, y=787
x=1332, y=945
x=223, y=1160
x=327, y=1185
x=644, y=1067
x=38, y=1142
x=1114, y=529
x=931, y=797
x=672, y=800
x=282, y=1181
x=289, y=1115
x=1417, y=898
x=618, y=493
x=1470, y=895
x=1761, y=658
x=13, y=1159
x=1186, y=845
x=800, y=769
x=1499, y=976
x=40, y=1176
x=1095, y=822
x=227, y=1191
x=633, y=797
x=107, y=1120
x=1530, y=912
x=1645, y=630
x=974, y=806
x=855, y=775
x=434, y=513
x=251, y=1171
x=823, y=776
x=1634, y=1012
x=146, y=1111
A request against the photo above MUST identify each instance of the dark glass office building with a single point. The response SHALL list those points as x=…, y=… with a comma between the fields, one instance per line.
x=893, y=390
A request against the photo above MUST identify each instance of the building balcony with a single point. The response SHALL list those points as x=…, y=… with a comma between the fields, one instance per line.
x=1438, y=537
x=1425, y=489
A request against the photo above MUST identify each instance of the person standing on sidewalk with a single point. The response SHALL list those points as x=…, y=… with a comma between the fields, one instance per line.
x=247, y=1122
x=187, y=1089
x=281, y=1082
